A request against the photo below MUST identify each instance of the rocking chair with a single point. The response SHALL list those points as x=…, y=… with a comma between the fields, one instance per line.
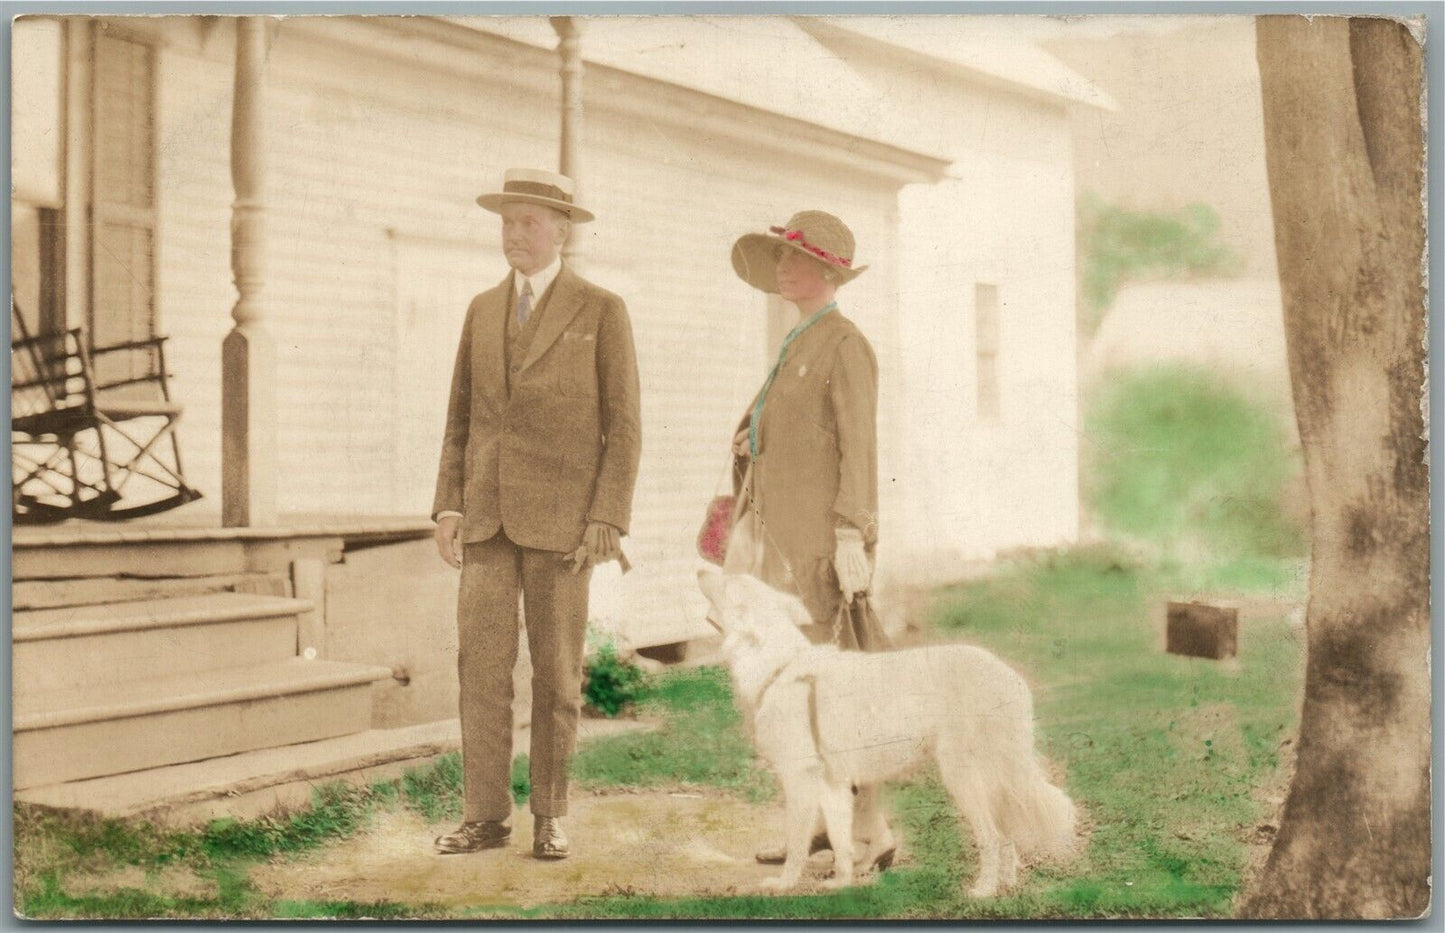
x=82, y=448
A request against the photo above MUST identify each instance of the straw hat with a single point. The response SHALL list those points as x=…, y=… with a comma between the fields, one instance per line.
x=816, y=234
x=535, y=186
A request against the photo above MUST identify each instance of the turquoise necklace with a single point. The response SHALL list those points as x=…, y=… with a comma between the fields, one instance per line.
x=793, y=334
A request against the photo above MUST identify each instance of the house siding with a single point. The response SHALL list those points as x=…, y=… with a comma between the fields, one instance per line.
x=379, y=136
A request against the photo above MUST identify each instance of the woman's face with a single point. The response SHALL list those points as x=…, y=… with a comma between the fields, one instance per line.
x=801, y=278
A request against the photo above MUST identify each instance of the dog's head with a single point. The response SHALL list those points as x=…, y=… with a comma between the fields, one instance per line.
x=751, y=614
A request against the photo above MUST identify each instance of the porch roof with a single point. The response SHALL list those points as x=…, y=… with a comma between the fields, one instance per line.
x=765, y=63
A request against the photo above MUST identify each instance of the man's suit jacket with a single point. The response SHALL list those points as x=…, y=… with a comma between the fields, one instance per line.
x=554, y=444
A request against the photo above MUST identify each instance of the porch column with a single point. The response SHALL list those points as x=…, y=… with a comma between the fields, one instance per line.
x=248, y=354
x=569, y=52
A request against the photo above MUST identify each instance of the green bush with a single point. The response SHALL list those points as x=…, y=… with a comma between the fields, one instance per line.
x=1179, y=458
x=611, y=683
x=521, y=779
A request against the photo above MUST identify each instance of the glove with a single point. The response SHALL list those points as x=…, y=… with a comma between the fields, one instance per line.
x=600, y=544
x=851, y=563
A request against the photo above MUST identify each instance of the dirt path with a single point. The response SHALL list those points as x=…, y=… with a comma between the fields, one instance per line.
x=666, y=844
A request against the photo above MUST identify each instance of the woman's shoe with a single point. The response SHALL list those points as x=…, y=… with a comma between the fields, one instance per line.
x=884, y=860
x=779, y=855
x=874, y=863
x=877, y=855
x=548, y=839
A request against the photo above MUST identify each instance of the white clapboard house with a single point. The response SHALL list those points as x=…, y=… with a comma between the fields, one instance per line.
x=325, y=168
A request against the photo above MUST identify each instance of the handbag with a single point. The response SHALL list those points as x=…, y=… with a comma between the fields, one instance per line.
x=857, y=626
x=717, y=523
x=712, y=540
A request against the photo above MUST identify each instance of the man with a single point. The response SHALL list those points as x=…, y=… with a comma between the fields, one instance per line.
x=537, y=470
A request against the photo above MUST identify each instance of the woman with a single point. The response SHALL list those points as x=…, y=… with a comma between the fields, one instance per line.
x=806, y=467
x=807, y=448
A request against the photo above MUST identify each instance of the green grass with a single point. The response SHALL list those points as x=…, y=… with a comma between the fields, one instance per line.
x=700, y=742
x=1164, y=755
x=53, y=847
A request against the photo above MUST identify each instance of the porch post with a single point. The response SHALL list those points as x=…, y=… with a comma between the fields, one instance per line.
x=248, y=354
x=569, y=52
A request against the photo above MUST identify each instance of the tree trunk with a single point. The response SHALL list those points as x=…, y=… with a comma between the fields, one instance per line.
x=1344, y=141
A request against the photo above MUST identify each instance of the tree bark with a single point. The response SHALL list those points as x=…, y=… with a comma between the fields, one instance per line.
x=1344, y=140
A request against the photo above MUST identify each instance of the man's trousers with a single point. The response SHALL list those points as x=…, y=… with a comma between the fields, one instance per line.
x=494, y=573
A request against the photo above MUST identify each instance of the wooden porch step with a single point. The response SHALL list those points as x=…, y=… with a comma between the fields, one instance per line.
x=252, y=783
x=136, y=615
x=133, y=553
x=157, y=548
x=258, y=783
x=95, y=591
x=167, y=720
x=97, y=646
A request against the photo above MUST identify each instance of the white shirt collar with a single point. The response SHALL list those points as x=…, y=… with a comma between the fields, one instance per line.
x=541, y=280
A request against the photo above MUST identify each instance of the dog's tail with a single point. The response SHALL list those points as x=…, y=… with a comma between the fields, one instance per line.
x=1039, y=817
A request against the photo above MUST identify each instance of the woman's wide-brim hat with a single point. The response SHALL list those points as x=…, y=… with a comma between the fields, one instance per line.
x=815, y=234
x=535, y=186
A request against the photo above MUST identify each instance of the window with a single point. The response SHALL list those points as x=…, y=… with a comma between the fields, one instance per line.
x=123, y=209
x=986, y=312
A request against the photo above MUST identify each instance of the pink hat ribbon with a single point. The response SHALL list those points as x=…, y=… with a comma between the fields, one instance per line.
x=796, y=236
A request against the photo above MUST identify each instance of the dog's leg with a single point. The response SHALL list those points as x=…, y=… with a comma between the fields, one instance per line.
x=1008, y=869
x=971, y=795
x=801, y=799
x=837, y=806
x=872, y=837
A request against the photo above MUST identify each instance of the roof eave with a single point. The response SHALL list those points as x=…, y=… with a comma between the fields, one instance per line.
x=1084, y=93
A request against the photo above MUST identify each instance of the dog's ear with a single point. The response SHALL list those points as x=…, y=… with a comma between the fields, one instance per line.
x=797, y=612
x=737, y=598
x=735, y=589
x=711, y=582
x=788, y=605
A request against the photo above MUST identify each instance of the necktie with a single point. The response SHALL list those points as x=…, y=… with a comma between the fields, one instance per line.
x=524, y=302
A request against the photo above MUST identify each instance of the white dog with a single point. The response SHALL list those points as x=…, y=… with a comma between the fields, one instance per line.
x=828, y=720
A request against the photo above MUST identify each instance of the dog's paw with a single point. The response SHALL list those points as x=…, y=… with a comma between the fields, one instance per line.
x=980, y=889
x=775, y=884
x=833, y=882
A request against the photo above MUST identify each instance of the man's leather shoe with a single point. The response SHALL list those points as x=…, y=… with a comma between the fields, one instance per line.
x=548, y=840
x=780, y=855
x=474, y=837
